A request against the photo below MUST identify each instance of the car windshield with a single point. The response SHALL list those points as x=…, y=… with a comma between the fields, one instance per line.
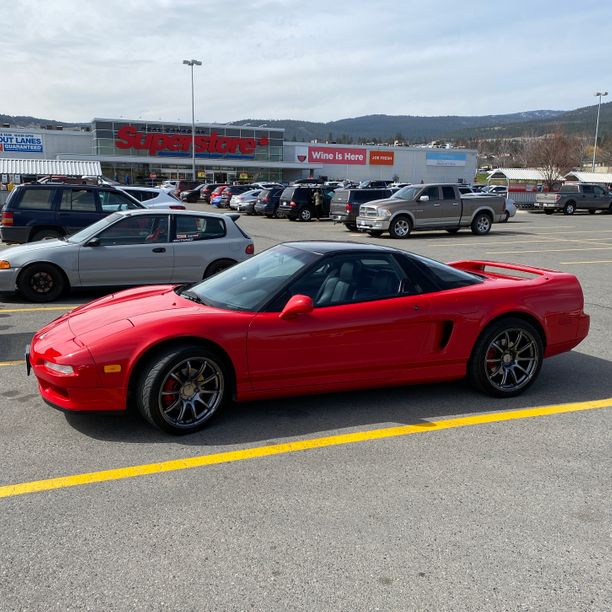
x=92, y=230
x=407, y=193
x=252, y=283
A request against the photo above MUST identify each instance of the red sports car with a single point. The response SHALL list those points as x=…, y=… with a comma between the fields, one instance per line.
x=307, y=317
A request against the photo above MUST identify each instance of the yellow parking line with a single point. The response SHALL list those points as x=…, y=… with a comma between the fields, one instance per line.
x=549, y=251
x=34, y=309
x=292, y=447
x=597, y=261
x=11, y=363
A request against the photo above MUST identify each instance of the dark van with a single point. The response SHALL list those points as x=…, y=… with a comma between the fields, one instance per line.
x=296, y=203
x=346, y=202
x=33, y=212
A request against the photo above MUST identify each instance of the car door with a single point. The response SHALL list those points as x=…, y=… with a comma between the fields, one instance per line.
x=427, y=212
x=599, y=200
x=449, y=211
x=366, y=330
x=133, y=251
x=587, y=200
x=197, y=241
x=78, y=208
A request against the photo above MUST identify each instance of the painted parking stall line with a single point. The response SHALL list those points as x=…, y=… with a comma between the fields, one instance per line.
x=292, y=447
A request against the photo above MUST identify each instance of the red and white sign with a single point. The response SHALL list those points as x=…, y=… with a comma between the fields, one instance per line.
x=382, y=158
x=337, y=155
x=128, y=137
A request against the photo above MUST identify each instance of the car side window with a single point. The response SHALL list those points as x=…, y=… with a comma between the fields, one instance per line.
x=588, y=189
x=598, y=191
x=78, y=200
x=190, y=227
x=448, y=192
x=35, y=199
x=111, y=201
x=432, y=192
x=139, y=229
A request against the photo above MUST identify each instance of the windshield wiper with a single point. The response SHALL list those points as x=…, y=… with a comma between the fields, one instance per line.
x=193, y=297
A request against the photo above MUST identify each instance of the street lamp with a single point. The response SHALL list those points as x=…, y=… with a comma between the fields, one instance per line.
x=192, y=63
x=600, y=94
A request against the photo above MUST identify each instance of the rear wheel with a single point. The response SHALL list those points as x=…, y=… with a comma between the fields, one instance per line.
x=569, y=208
x=506, y=358
x=592, y=211
x=41, y=283
x=375, y=233
x=217, y=266
x=182, y=388
x=305, y=214
x=351, y=227
x=481, y=224
x=46, y=233
x=400, y=227
x=548, y=212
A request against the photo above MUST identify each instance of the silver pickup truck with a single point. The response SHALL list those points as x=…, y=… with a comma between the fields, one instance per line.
x=573, y=197
x=430, y=207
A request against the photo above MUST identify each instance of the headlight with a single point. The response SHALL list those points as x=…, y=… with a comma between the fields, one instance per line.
x=56, y=367
x=383, y=212
x=4, y=265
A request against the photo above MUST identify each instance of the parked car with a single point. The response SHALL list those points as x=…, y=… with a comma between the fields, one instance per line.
x=245, y=202
x=153, y=197
x=303, y=318
x=374, y=184
x=267, y=202
x=215, y=195
x=268, y=185
x=138, y=247
x=345, y=204
x=33, y=212
x=231, y=191
x=296, y=202
x=201, y=192
x=431, y=207
x=575, y=196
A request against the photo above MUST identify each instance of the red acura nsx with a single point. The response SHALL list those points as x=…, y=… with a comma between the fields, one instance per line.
x=307, y=317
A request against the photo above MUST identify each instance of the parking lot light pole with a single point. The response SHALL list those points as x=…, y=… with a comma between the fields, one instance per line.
x=192, y=63
x=600, y=94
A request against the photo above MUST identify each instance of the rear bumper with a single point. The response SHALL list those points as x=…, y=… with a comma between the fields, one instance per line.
x=17, y=235
x=575, y=330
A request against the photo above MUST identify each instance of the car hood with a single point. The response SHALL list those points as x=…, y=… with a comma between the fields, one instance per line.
x=22, y=252
x=125, y=305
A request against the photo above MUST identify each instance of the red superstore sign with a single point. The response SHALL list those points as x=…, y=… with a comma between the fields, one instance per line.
x=128, y=137
x=337, y=155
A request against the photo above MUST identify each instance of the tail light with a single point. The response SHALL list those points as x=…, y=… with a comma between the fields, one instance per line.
x=292, y=204
x=250, y=249
x=557, y=197
x=7, y=218
x=266, y=199
x=349, y=207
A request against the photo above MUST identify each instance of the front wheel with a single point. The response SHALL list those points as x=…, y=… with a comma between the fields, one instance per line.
x=351, y=227
x=41, y=283
x=182, y=388
x=400, y=227
x=481, y=224
x=506, y=358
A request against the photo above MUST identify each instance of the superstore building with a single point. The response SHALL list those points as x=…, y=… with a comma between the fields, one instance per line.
x=139, y=152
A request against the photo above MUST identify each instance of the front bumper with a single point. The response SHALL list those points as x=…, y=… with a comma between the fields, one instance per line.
x=8, y=280
x=372, y=223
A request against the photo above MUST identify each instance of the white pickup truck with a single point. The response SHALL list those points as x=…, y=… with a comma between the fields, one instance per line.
x=431, y=207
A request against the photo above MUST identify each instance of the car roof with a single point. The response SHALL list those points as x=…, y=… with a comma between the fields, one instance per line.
x=323, y=247
x=165, y=211
x=138, y=188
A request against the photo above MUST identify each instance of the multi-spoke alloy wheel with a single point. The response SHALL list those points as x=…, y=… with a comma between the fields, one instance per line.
x=511, y=359
x=506, y=358
x=181, y=389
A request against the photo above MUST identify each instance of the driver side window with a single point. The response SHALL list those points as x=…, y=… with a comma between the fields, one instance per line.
x=141, y=229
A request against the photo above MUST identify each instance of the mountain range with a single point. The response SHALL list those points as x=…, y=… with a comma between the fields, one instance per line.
x=408, y=128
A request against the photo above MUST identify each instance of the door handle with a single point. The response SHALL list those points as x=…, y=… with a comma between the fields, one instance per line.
x=436, y=205
x=159, y=250
x=455, y=203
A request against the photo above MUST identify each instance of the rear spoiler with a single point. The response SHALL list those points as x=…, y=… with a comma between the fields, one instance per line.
x=479, y=266
x=234, y=216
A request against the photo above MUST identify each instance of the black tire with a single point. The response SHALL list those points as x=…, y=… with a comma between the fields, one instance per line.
x=548, y=212
x=167, y=380
x=41, y=283
x=305, y=214
x=481, y=224
x=569, y=208
x=592, y=211
x=351, y=227
x=218, y=266
x=46, y=233
x=400, y=227
x=375, y=233
x=455, y=230
x=507, y=346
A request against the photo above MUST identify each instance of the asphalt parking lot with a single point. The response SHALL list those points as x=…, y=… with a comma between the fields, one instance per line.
x=414, y=498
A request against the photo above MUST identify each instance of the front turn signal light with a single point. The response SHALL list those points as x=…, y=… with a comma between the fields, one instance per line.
x=4, y=265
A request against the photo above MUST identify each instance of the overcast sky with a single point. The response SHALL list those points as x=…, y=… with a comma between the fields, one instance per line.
x=73, y=60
